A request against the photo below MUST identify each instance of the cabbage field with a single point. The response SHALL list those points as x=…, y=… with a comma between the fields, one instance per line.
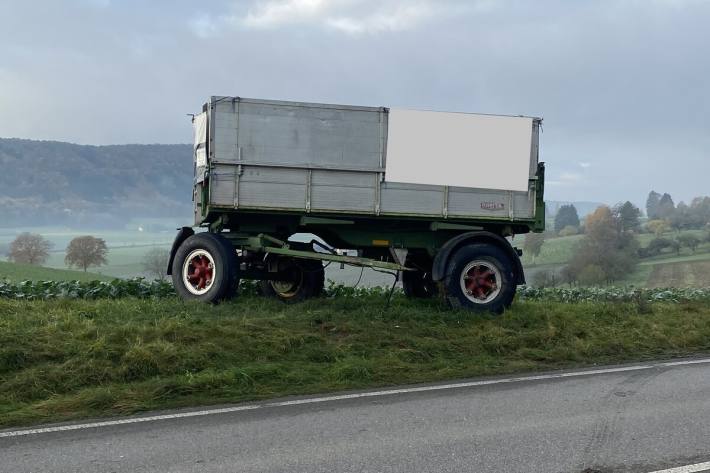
x=141, y=288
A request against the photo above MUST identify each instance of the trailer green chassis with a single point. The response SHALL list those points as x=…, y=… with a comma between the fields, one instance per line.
x=265, y=244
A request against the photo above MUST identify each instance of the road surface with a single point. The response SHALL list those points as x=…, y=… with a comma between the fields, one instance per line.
x=643, y=418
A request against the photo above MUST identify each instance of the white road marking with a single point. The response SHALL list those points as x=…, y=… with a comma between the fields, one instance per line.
x=367, y=394
x=687, y=468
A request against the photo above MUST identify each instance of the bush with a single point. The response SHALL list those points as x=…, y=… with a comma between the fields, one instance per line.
x=591, y=275
x=606, y=253
x=655, y=247
x=545, y=279
x=569, y=230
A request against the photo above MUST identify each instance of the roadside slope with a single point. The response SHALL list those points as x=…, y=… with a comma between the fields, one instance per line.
x=69, y=359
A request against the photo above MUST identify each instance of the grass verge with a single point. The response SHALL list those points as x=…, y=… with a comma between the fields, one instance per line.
x=69, y=359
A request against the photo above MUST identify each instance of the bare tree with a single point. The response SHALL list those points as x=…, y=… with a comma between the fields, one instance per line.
x=86, y=251
x=29, y=248
x=155, y=263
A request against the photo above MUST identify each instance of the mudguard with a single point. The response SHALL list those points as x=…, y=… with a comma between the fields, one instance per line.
x=441, y=259
x=183, y=234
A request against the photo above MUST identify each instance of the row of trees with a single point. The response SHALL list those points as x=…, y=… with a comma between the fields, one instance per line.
x=82, y=252
x=567, y=220
x=661, y=208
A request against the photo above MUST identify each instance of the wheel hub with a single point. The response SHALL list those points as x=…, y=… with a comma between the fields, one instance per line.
x=199, y=272
x=480, y=281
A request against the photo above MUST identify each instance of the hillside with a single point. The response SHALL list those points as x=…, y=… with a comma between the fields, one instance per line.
x=25, y=272
x=51, y=183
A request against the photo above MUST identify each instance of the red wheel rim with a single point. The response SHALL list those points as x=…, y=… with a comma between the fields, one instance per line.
x=199, y=272
x=480, y=281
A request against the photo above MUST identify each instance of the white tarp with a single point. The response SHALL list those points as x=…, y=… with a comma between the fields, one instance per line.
x=459, y=149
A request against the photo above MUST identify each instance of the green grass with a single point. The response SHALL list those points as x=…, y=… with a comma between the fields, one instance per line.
x=69, y=359
x=559, y=250
x=554, y=251
x=126, y=247
x=24, y=272
x=123, y=262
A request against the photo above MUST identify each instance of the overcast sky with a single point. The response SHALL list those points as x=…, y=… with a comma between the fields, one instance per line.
x=623, y=85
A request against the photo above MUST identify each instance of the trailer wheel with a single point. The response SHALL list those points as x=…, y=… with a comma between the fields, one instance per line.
x=480, y=277
x=205, y=268
x=304, y=279
x=419, y=284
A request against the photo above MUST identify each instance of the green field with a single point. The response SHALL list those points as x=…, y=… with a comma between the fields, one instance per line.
x=69, y=359
x=24, y=272
x=556, y=252
x=126, y=247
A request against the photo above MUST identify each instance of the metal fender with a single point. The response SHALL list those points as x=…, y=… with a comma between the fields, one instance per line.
x=441, y=259
x=183, y=234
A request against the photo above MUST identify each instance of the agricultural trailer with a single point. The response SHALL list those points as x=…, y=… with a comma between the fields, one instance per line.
x=434, y=197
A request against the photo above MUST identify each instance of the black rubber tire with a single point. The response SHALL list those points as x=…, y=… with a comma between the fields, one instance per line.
x=225, y=261
x=491, y=255
x=418, y=284
x=308, y=280
x=233, y=287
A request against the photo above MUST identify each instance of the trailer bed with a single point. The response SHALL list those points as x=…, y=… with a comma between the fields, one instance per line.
x=263, y=155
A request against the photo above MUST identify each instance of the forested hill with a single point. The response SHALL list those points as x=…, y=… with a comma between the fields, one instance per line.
x=50, y=182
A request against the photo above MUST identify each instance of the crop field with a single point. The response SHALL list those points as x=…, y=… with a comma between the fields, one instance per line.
x=681, y=274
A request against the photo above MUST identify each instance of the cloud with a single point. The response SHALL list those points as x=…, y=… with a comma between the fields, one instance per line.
x=585, y=165
x=279, y=12
x=204, y=25
x=565, y=179
x=350, y=16
x=402, y=17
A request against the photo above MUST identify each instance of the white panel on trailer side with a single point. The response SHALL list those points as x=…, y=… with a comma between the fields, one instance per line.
x=199, y=128
x=459, y=149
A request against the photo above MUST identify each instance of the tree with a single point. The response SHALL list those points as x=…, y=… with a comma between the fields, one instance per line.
x=533, y=244
x=675, y=244
x=656, y=246
x=628, y=215
x=592, y=274
x=155, y=263
x=666, y=207
x=606, y=252
x=545, y=279
x=658, y=227
x=29, y=248
x=691, y=241
x=682, y=217
x=86, y=251
x=652, y=202
x=569, y=230
x=566, y=215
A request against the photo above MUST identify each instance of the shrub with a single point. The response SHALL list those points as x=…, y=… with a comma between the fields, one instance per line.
x=569, y=230
x=592, y=274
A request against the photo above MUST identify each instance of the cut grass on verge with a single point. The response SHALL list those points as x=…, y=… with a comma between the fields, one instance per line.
x=69, y=359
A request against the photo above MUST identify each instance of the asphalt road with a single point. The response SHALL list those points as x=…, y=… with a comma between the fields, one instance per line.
x=637, y=420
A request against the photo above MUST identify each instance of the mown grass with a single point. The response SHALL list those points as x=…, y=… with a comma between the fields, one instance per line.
x=16, y=272
x=69, y=359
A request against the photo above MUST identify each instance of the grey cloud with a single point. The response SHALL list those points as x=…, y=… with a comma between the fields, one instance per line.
x=622, y=84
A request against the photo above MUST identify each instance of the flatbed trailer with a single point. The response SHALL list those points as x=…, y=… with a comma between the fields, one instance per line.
x=430, y=195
